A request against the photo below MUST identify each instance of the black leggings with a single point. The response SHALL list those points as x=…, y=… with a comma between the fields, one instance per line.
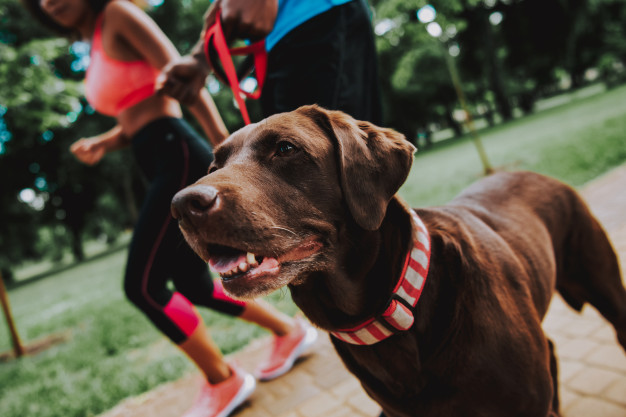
x=172, y=156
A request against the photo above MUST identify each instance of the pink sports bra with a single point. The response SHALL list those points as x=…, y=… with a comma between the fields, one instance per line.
x=111, y=85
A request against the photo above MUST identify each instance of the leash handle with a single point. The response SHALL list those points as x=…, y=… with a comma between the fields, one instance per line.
x=227, y=73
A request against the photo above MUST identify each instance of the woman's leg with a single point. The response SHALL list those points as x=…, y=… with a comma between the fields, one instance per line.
x=149, y=260
x=203, y=351
x=167, y=160
x=265, y=315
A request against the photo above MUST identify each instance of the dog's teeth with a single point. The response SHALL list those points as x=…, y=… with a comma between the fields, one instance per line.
x=243, y=267
x=250, y=258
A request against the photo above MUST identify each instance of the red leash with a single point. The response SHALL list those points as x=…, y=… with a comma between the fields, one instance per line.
x=227, y=73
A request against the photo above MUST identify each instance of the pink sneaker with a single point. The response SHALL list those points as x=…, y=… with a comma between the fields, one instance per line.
x=221, y=399
x=286, y=349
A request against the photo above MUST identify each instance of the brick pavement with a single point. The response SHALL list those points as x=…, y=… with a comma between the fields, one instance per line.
x=592, y=365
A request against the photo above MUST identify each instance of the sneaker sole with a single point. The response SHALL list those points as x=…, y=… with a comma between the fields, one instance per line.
x=307, y=341
x=247, y=388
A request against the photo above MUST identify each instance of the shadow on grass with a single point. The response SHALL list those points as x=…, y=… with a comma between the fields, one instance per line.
x=38, y=346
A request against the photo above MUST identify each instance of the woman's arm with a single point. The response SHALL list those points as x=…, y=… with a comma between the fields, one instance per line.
x=91, y=150
x=206, y=113
x=144, y=36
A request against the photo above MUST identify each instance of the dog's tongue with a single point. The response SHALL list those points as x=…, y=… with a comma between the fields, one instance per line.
x=223, y=264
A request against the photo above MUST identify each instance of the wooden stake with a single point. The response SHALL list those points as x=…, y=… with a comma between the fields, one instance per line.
x=4, y=298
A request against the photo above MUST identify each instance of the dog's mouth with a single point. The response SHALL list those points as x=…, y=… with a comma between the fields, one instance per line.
x=231, y=263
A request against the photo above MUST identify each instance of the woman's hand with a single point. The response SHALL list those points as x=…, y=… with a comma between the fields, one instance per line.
x=183, y=78
x=88, y=150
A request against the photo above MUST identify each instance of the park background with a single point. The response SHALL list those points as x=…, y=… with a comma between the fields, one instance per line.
x=542, y=82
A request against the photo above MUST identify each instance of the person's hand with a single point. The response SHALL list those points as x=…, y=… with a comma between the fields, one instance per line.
x=88, y=150
x=183, y=79
x=245, y=19
x=241, y=19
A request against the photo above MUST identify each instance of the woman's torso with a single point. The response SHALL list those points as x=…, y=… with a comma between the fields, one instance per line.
x=120, y=82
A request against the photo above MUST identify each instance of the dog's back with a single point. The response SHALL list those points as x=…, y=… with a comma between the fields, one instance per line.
x=523, y=207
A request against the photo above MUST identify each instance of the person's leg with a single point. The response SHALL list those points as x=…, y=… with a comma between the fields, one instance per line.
x=164, y=158
x=265, y=315
x=204, y=352
x=329, y=60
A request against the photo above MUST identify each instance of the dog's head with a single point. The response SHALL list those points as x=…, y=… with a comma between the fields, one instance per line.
x=272, y=207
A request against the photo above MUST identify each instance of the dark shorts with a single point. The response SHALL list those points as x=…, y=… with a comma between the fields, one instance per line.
x=330, y=60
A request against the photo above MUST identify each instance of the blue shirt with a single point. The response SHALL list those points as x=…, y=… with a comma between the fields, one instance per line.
x=293, y=13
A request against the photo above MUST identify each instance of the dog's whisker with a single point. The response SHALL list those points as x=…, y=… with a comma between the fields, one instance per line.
x=285, y=229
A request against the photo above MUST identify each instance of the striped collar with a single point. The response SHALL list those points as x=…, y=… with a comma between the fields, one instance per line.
x=398, y=315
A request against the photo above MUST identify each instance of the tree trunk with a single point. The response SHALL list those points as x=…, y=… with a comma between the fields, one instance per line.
x=577, y=20
x=6, y=307
x=77, y=245
x=495, y=71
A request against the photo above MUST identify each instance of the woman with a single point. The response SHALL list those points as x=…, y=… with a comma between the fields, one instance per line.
x=128, y=50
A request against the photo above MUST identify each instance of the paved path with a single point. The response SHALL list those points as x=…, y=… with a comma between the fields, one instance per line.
x=592, y=364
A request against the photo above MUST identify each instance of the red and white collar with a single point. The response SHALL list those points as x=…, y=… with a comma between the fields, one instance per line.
x=398, y=315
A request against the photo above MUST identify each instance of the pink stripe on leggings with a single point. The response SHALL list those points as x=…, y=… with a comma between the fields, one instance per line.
x=182, y=313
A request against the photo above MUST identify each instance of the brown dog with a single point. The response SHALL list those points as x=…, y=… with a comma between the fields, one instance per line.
x=307, y=199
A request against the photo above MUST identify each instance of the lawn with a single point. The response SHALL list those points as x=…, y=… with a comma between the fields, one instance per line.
x=112, y=351
x=574, y=142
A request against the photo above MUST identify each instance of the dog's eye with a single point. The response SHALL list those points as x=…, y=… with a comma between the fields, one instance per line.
x=285, y=148
x=212, y=168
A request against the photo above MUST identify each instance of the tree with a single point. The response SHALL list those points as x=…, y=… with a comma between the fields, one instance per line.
x=43, y=111
x=509, y=63
x=416, y=86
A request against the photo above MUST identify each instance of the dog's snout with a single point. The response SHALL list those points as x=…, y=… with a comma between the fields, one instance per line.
x=194, y=203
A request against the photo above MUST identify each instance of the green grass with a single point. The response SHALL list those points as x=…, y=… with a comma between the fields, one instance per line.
x=574, y=143
x=114, y=352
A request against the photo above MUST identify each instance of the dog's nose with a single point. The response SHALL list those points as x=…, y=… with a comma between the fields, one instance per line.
x=192, y=204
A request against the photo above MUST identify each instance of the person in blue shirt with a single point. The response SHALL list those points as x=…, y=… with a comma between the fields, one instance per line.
x=319, y=52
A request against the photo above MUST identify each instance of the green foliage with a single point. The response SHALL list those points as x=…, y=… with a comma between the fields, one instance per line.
x=37, y=99
x=537, y=46
x=16, y=26
x=44, y=111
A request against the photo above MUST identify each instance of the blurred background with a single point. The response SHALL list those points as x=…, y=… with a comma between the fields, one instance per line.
x=477, y=85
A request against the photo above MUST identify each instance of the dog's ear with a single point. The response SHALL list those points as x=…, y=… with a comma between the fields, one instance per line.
x=373, y=163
